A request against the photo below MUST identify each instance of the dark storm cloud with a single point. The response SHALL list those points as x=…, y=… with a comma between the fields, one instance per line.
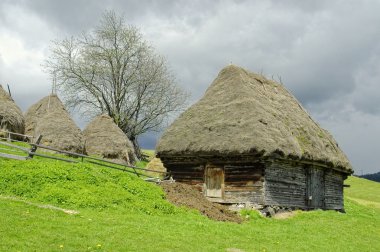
x=326, y=52
x=78, y=15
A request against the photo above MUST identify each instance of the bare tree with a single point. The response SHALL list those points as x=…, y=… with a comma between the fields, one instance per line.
x=113, y=70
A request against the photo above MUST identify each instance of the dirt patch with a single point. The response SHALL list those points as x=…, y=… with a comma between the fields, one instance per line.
x=186, y=195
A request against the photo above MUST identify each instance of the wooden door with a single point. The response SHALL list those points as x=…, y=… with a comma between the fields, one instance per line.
x=316, y=188
x=214, y=181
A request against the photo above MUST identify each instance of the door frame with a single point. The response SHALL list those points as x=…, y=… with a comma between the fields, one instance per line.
x=211, y=166
x=311, y=191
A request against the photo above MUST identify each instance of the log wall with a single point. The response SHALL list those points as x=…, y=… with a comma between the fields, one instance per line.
x=272, y=182
x=285, y=184
x=334, y=190
x=244, y=183
x=192, y=174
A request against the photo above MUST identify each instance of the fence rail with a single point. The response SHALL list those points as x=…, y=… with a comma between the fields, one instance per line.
x=32, y=151
x=9, y=135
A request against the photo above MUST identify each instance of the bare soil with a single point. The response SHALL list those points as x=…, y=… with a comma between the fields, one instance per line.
x=186, y=195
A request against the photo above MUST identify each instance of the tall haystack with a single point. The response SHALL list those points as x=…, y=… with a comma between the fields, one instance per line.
x=49, y=118
x=249, y=140
x=11, y=118
x=104, y=138
x=40, y=109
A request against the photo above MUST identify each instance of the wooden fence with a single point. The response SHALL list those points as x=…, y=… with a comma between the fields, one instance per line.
x=32, y=151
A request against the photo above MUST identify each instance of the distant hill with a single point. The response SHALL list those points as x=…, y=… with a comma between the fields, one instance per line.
x=373, y=177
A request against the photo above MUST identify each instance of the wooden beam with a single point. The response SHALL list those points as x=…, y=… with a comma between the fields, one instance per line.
x=15, y=146
x=51, y=157
x=33, y=149
x=12, y=156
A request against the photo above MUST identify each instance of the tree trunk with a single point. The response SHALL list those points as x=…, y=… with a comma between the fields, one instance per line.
x=137, y=148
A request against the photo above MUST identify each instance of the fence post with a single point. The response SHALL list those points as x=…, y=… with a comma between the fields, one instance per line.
x=33, y=149
x=135, y=171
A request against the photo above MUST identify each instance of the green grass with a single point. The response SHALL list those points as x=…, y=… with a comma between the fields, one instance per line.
x=363, y=189
x=80, y=185
x=119, y=212
x=150, y=153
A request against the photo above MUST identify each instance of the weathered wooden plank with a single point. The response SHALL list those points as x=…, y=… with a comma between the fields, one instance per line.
x=241, y=197
x=10, y=156
x=244, y=183
x=285, y=185
x=242, y=189
x=334, y=190
x=15, y=146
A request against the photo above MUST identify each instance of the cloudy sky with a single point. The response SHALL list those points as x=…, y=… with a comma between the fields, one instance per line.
x=327, y=53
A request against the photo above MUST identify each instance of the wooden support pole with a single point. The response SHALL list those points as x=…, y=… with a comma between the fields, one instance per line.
x=34, y=147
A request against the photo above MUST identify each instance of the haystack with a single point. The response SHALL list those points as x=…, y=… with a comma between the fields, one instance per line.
x=249, y=140
x=49, y=118
x=11, y=118
x=104, y=138
x=156, y=165
x=40, y=109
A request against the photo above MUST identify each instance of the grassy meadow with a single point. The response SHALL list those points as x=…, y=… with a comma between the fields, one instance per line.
x=47, y=205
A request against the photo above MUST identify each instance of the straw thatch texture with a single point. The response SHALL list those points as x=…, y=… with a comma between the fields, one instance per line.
x=40, y=109
x=245, y=113
x=49, y=118
x=156, y=165
x=11, y=118
x=104, y=138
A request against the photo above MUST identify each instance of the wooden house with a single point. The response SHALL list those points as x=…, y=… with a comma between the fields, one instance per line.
x=249, y=140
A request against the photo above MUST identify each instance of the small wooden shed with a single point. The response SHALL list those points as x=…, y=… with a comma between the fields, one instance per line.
x=249, y=140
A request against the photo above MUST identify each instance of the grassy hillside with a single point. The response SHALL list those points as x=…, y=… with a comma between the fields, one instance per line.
x=119, y=212
x=363, y=191
x=80, y=186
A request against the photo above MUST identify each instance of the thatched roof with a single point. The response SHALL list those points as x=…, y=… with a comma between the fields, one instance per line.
x=11, y=118
x=243, y=113
x=49, y=118
x=104, y=138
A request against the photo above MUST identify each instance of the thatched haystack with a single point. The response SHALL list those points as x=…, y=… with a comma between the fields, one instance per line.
x=11, y=118
x=49, y=118
x=245, y=113
x=156, y=165
x=249, y=140
x=104, y=138
x=40, y=109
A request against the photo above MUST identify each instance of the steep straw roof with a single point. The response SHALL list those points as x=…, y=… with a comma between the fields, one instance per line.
x=104, y=138
x=11, y=118
x=243, y=113
x=49, y=118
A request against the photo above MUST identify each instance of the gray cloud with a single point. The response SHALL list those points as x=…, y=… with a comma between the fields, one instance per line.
x=326, y=52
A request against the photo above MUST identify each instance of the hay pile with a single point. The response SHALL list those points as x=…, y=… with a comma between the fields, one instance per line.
x=11, y=118
x=156, y=165
x=40, y=109
x=49, y=118
x=243, y=113
x=104, y=138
